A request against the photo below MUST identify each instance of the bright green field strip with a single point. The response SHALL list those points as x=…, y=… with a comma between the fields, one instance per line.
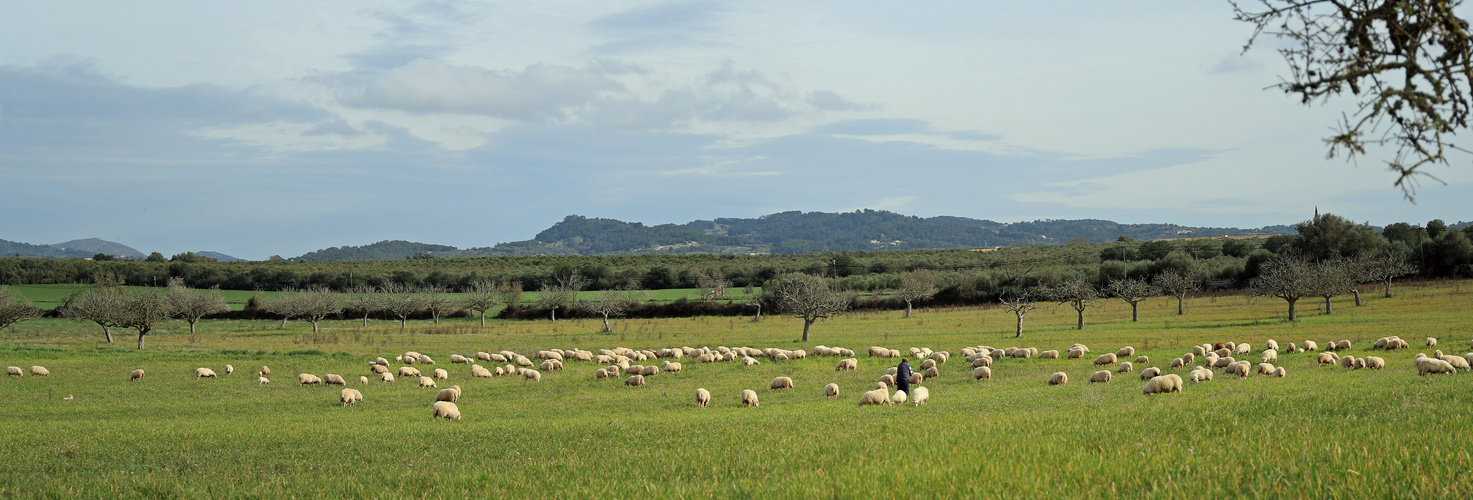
x=1320, y=432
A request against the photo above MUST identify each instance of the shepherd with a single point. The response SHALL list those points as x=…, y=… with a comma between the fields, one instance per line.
x=902, y=376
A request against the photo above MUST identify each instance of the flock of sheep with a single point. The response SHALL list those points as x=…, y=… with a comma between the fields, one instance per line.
x=619, y=361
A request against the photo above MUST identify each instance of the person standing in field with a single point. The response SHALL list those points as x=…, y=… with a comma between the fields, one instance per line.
x=902, y=376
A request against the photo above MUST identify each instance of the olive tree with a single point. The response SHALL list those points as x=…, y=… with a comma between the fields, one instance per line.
x=1078, y=292
x=919, y=284
x=363, y=299
x=401, y=301
x=102, y=304
x=437, y=301
x=1133, y=291
x=614, y=302
x=191, y=305
x=1288, y=276
x=562, y=294
x=1019, y=305
x=1386, y=266
x=142, y=310
x=480, y=298
x=316, y=304
x=14, y=308
x=1177, y=284
x=804, y=296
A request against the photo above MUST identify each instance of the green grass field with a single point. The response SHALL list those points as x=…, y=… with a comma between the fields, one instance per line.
x=1321, y=432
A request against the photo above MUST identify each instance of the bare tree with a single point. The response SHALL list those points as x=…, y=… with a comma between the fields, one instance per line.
x=482, y=297
x=805, y=296
x=713, y=284
x=191, y=305
x=283, y=303
x=1133, y=291
x=143, y=310
x=560, y=295
x=615, y=302
x=1387, y=266
x=14, y=308
x=316, y=304
x=1178, y=285
x=401, y=301
x=437, y=301
x=363, y=299
x=1078, y=293
x=102, y=304
x=511, y=293
x=919, y=284
x=1330, y=278
x=1409, y=62
x=1019, y=305
x=1288, y=276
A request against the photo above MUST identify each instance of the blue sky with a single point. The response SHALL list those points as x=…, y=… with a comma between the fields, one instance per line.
x=260, y=128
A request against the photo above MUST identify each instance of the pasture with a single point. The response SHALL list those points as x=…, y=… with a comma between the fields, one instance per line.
x=1326, y=432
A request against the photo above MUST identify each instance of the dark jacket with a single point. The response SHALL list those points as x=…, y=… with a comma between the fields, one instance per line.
x=902, y=374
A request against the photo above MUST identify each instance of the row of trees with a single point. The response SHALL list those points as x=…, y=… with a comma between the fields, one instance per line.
x=111, y=305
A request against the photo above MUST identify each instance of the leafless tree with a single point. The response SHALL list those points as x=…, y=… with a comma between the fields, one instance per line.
x=1133, y=291
x=316, y=304
x=615, y=302
x=1409, y=62
x=14, y=308
x=143, y=310
x=482, y=297
x=1288, y=276
x=401, y=301
x=805, y=296
x=437, y=301
x=191, y=305
x=713, y=284
x=1019, y=305
x=919, y=284
x=1386, y=266
x=102, y=304
x=1178, y=285
x=1330, y=278
x=1078, y=293
x=560, y=295
x=283, y=303
x=363, y=299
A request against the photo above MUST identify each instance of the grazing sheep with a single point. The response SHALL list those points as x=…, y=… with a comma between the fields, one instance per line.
x=1163, y=384
x=703, y=397
x=1076, y=354
x=1102, y=376
x=1431, y=341
x=485, y=356
x=136, y=375
x=265, y=371
x=1224, y=362
x=441, y=374
x=850, y=364
x=932, y=372
x=1375, y=362
x=831, y=390
x=478, y=371
x=426, y=382
x=1189, y=358
x=1239, y=368
x=456, y=358
x=1327, y=358
x=601, y=373
x=749, y=398
x=1126, y=367
x=1458, y=362
x=1198, y=350
x=981, y=361
x=334, y=379
x=782, y=383
x=898, y=397
x=1200, y=374
x=407, y=371
x=1294, y=348
x=423, y=359
x=376, y=369
x=879, y=396
x=916, y=378
x=445, y=410
x=1347, y=362
x=1343, y=345
x=650, y=371
x=533, y=375
x=1271, y=344
x=350, y=396
x=981, y=373
x=1309, y=345
x=308, y=379
x=1433, y=365
x=888, y=380
x=921, y=395
x=672, y=367
x=451, y=394
x=1020, y=353
x=1279, y=372
x=1270, y=355
x=1178, y=363
x=1223, y=353
x=1143, y=360
x=362, y=379
x=1058, y=378
x=229, y=369
x=388, y=378
x=892, y=371
x=748, y=361
x=1265, y=369
x=200, y=373
x=262, y=380
x=1049, y=354
x=521, y=360
x=1243, y=349
x=927, y=364
x=1125, y=352
x=40, y=371
x=1150, y=373
x=1106, y=359
x=635, y=380
x=1361, y=363
x=381, y=361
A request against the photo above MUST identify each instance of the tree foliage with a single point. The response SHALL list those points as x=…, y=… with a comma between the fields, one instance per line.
x=191, y=305
x=919, y=284
x=1409, y=64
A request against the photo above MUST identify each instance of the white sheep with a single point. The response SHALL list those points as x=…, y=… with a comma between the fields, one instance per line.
x=635, y=380
x=136, y=375
x=1458, y=362
x=1309, y=345
x=1431, y=341
x=981, y=373
x=262, y=380
x=1150, y=373
x=831, y=390
x=1243, y=348
x=426, y=382
x=200, y=373
x=1163, y=384
x=1178, y=363
x=1106, y=359
x=441, y=374
x=1200, y=374
x=982, y=360
x=672, y=367
x=1433, y=365
x=1125, y=352
x=1058, y=378
x=1143, y=360
x=229, y=369
x=423, y=359
x=879, y=396
x=1271, y=344
x=1265, y=369
x=1189, y=358
x=40, y=371
x=888, y=380
x=408, y=371
x=308, y=379
x=650, y=371
x=265, y=371
x=1270, y=355
x=388, y=378
x=1239, y=368
x=377, y=368
x=362, y=379
x=703, y=397
x=1327, y=358
x=530, y=374
x=850, y=364
x=451, y=394
x=933, y=372
x=334, y=379
x=782, y=383
x=748, y=361
x=350, y=396
x=917, y=378
x=1126, y=367
x=1375, y=362
x=1049, y=354
x=446, y=410
x=1102, y=376
x=920, y=396
x=478, y=371
x=1279, y=372
x=899, y=397
x=749, y=398
x=1347, y=362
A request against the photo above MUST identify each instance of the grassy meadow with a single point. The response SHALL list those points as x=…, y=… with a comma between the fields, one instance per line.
x=1321, y=432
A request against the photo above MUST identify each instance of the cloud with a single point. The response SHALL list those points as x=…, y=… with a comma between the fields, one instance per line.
x=332, y=127
x=679, y=24
x=877, y=126
x=1235, y=63
x=539, y=93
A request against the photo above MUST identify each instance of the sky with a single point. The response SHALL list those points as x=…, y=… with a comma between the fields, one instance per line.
x=278, y=128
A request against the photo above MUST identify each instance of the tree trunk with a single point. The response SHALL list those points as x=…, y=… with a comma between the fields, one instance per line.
x=907, y=308
x=1081, y=319
x=1356, y=291
x=283, y=322
x=1180, y=299
x=607, y=329
x=1020, y=327
x=140, y=339
x=402, y=321
x=107, y=332
x=1134, y=316
x=553, y=312
x=1292, y=315
x=437, y=318
x=192, y=321
x=483, y=318
x=806, y=323
x=314, y=327
x=365, y=319
x=1328, y=309
x=1388, y=288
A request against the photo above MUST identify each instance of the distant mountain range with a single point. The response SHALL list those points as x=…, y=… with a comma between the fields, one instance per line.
x=87, y=248
x=787, y=232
